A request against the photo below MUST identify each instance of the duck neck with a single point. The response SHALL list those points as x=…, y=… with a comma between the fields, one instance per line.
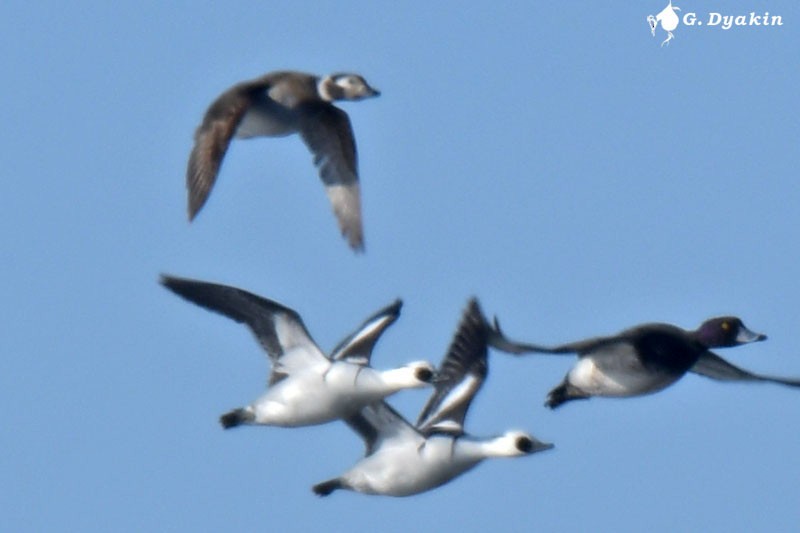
x=327, y=89
x=399, y=378
x=479, y=449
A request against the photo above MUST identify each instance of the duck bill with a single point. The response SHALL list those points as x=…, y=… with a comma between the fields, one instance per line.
x=539, y=446
x=745, y=335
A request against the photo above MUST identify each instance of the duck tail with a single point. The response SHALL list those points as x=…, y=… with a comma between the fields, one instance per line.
x=564, y=393
x=326, y=487
x=557, y=396
x=237, y=417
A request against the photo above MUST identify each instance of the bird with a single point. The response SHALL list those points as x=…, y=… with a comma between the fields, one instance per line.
x=644, y=359
x=279, y=104
x=305, y=386
x=669, y=21
x=404, y=459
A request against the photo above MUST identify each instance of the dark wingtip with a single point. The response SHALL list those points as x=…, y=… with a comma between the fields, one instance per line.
x=196, y=203
x=168, y=281
x=499, y=341
x=393, y=308
x=357, y=245
x=176, y=284
x=196, y=198
x=326, y=487
x=474, y=312
x=496, y=324
x=192, y=207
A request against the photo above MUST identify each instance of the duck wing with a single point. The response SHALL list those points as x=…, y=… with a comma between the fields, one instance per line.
x=461, y=375
x=498, y=340
x=713, y=366
x=357, y=347
x=378, y=423
x=278, y=329
x=213, y=136
x=327, y=132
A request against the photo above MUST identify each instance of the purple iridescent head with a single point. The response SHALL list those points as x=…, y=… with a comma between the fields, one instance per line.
x=725, y=331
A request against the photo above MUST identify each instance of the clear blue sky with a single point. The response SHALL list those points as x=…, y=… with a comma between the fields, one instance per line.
x=549, y=158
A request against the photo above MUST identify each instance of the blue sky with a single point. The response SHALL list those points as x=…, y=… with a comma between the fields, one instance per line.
x=550, y=158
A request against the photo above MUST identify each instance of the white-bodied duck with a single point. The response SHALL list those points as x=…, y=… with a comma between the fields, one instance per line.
x=306, y=387
x=403, y=459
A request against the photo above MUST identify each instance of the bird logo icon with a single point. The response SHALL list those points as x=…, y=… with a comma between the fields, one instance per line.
x=669, y=21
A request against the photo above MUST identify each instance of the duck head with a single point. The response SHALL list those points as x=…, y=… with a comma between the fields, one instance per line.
x=726, y=331
x=420, y=373
x=346, y=86
x=515, y=443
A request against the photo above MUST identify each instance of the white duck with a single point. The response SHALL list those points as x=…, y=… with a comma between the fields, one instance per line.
x=403, y=459
x=305, y=386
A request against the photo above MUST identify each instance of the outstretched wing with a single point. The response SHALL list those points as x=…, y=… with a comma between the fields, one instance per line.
x=498, y=340
x=713, y=366
x=357, y=347
x=212, y=138
x=278, y=329
x=378, y=423
x=327, y=132
x=461, y=375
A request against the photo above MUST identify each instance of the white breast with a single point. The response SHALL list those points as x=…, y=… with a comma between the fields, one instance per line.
x=316, y=396
x=616, y=371
x=403, y=469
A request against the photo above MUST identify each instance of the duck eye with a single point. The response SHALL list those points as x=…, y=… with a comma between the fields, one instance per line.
x=725, y=326
x=524, y=444
x=424, y=374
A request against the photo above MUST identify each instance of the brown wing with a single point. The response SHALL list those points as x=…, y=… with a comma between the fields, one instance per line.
x=327, y=132
x=212, y=138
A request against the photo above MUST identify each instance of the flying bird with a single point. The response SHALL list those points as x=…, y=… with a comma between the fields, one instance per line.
x=279, y=104
x=645, y=359
x=404, y=459
x=306, y=387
